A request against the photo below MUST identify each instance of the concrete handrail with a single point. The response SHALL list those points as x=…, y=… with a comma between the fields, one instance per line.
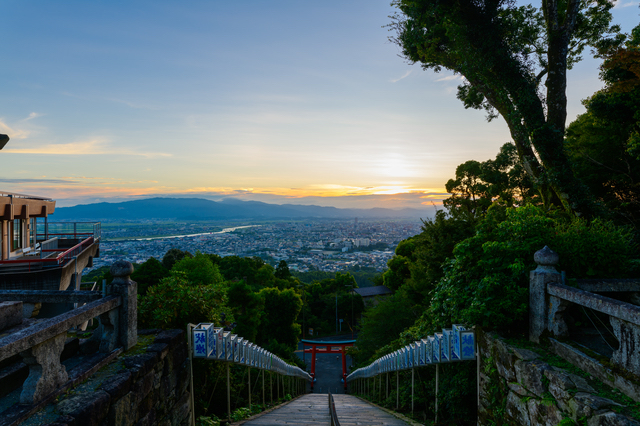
x=52, y=327
x=609, y=285
x=49, y=296
x=606, y=305
x=549, y=298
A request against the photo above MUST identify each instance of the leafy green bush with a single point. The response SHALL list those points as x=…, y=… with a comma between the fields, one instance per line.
x=174, y=302
x=486, y=281
x=199, y=269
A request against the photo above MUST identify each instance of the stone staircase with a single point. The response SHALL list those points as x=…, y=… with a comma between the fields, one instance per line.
x=313, y=410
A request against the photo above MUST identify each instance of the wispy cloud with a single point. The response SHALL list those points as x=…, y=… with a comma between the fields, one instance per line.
x=31, y=117
x=450, y=78
x=96, y=146
x=18, y=131
x=30, y=181
x=406, y=74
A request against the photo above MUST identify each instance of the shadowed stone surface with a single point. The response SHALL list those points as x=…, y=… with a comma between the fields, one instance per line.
x=10, y=314
x=355, y=411
x=310, y=409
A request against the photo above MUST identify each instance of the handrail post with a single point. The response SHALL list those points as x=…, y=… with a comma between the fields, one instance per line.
x=412, y=387
x=228, y=393
x=128, y=311
x=544, y=274
x=397, y=389
x=45, y=371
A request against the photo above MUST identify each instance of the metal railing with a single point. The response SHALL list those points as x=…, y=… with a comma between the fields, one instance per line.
x=332, y=411
x=61, y=258
x=66, y=230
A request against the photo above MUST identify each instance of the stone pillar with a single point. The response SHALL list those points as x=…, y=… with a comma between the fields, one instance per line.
x=128, y=311
x=627, y=355
x=46, y=374
x=544, y=274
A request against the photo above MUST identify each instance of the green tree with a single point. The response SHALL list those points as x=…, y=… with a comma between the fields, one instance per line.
x=506, y=53
x=282, y=270
x=278, y=324
x=486, y=280
x=199, y=270
x=247, y=307
x=478, y=184
x=383, y=324
x=175, y=302
x=172, y=256
x=604, y=142
x=149, y=274
x=235, y=268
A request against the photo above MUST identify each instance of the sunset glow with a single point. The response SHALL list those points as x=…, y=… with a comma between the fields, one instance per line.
x=267, y=102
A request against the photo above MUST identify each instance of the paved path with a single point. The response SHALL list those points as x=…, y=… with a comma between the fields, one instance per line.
x=311, y=409
x=354, y=411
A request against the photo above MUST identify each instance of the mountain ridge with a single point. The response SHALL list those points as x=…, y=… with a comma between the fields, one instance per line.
x=203, y=209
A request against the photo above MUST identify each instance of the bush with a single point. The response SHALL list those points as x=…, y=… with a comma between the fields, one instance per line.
x=486, y=281
x=174, y=302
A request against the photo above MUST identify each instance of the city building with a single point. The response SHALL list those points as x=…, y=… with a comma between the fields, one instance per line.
x=36, y=254
x=371, y=295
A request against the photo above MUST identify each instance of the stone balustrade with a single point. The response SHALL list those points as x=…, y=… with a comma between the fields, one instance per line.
x=41, y=345
x=549, y=297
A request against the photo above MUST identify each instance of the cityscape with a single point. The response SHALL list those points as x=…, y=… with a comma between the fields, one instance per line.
x=306, y=245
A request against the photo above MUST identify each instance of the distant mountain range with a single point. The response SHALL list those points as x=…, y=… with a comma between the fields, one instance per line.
x=201, y=209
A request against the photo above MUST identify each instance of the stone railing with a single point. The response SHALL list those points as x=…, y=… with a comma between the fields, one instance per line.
x=549, y=297
x=41, y=345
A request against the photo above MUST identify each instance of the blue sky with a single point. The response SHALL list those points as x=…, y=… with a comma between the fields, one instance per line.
x=278, y=101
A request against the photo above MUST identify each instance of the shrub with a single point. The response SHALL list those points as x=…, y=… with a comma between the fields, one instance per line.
x=486, y=281
x=174, y=302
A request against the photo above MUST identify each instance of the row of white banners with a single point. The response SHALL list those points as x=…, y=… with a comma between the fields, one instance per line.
x=453, y=344
x=216, y=344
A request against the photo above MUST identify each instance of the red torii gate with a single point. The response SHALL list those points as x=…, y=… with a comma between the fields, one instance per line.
x=327, y=348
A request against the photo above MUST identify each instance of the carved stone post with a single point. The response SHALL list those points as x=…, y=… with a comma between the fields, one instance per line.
x=109, y=338
x=627, y=355
x=45, y=371
x=128, y=312
x=544, y=274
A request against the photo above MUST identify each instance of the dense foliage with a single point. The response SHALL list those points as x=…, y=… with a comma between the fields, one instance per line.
x=514, y=60
x=268, y=306
x=471, y=262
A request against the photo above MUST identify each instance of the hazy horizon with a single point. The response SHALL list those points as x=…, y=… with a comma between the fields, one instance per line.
x=281, y=102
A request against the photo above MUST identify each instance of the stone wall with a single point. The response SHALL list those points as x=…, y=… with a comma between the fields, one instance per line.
x=147, y=388
x=518, y=388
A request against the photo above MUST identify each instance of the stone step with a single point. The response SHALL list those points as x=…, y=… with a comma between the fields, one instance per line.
x=355, y=411
x=311, y=409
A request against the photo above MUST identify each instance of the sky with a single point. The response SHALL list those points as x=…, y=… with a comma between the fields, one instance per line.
x=277, y=101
